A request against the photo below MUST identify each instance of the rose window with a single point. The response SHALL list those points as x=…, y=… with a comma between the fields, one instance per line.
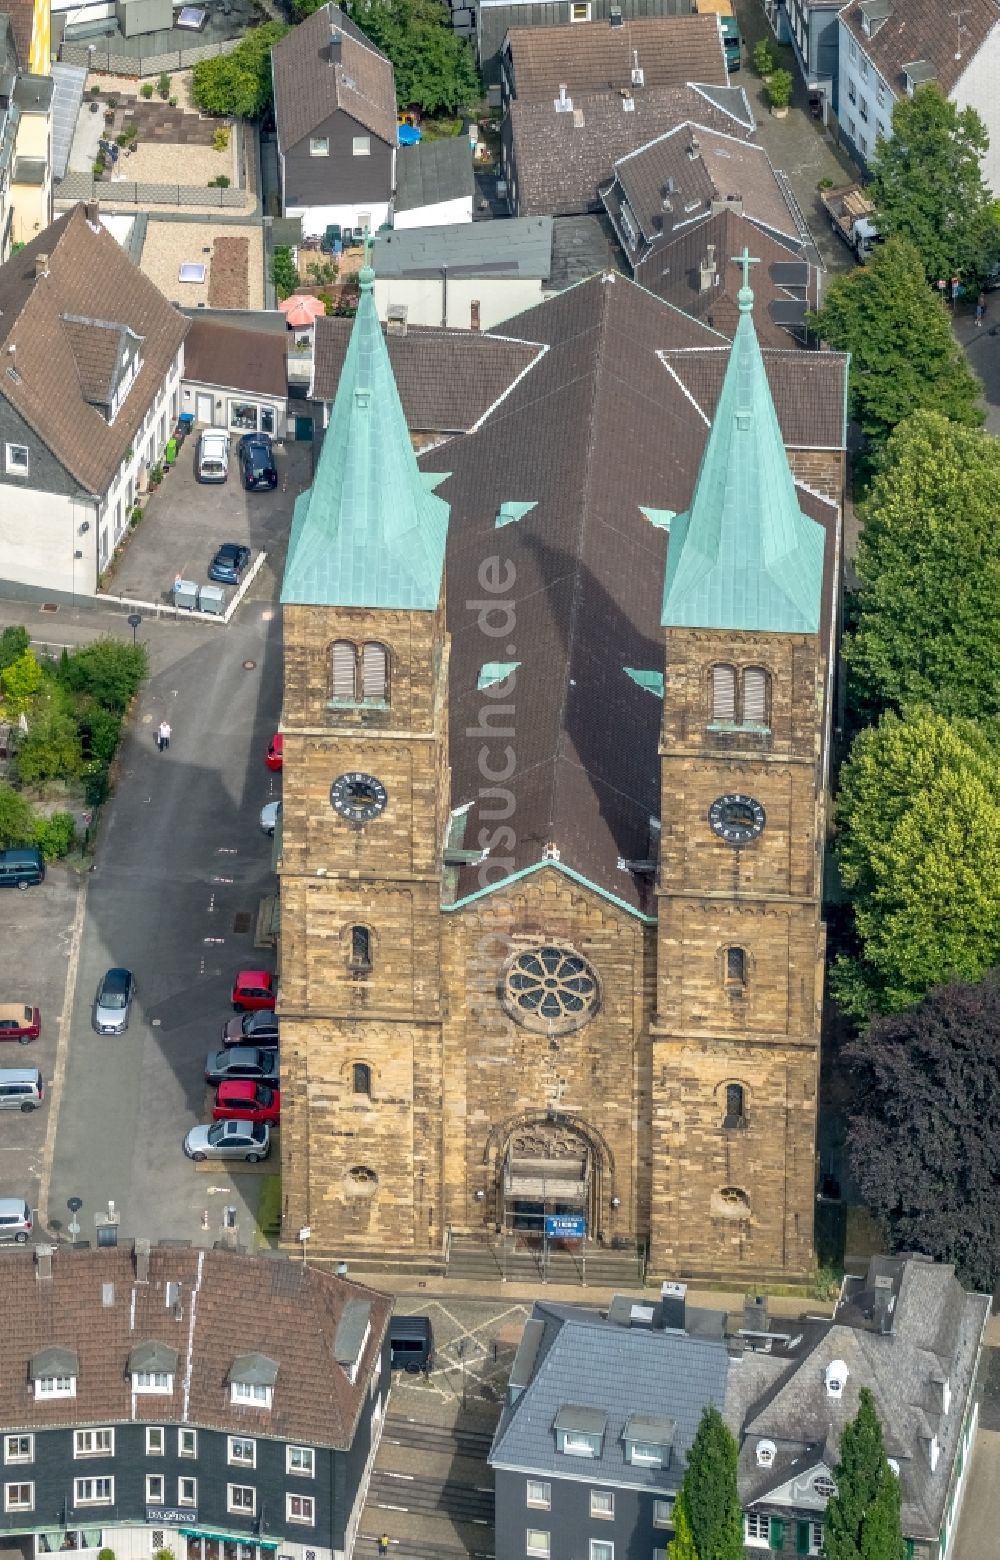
x=550, y=989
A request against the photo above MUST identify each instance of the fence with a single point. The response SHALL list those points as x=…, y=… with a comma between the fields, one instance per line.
x=124, y=192
x=139, y=63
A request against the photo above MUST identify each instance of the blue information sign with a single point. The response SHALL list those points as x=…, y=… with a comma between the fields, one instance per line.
x=565, y=1226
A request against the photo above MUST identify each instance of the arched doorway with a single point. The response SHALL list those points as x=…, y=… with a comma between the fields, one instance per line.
x=549, y=1164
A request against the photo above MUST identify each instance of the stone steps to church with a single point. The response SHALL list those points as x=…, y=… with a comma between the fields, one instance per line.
x=485, y=1264
x=436, y=1438
x=432, y=1496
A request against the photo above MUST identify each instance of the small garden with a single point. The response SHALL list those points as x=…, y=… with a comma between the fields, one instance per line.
x=64, y=718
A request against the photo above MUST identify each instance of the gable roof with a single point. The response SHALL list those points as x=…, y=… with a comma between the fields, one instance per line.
x=219, y=353
x=921, y=30
x=368, y=532
x=593, y=57
x=308, y=88
x=58, y=324
x=95, y=1314
x=432, y=172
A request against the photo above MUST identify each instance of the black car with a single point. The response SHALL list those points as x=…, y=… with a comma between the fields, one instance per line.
x=241, y=1062
x=259, y=1028
x=229, y=563
x=257, y=462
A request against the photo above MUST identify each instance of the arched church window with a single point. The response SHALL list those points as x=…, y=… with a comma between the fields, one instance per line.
x=735, y=1106
x=755, y=696
x=736, y=967
x=374, y=673
x=724, y=693
x=550, y=989
x=343, y=661
x=361, y=948
x=361, y=1078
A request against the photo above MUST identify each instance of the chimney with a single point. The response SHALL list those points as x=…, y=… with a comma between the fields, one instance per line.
x=474, y=310
x=335, y=45
x=142, y=1261
x=92, y=211
x=673, y=1305
x=41, y=266
x=43, y=1261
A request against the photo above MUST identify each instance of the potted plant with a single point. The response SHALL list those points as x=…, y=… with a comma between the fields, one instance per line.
x=763, y=58
x=779, y=92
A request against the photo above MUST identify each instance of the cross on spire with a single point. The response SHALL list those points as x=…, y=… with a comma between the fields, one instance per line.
x=745, y=295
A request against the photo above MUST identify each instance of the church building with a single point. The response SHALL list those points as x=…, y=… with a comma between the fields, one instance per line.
x=557, y=708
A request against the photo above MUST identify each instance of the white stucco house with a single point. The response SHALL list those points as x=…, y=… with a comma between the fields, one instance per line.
x=92, y=358
x=888, y=48
x=468, y=276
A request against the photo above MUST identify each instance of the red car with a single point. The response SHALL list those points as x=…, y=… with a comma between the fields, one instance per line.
x=253, y=989
x=244, y=1100
x=275, y=756
x=18, y=1022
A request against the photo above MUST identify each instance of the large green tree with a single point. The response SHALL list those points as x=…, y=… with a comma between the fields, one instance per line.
x=239, y=83
x=904, y=357
x=711, y=1502
x=919, y=852
x=681, y=1546
x=435, y=68
x=862, y=1519
x=927, y=620
x=928, y=186
x=921, y=1078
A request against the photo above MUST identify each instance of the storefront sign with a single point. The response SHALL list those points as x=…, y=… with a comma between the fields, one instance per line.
x=170, y=1516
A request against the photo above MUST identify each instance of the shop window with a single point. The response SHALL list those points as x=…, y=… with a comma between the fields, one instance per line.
x=243, y=416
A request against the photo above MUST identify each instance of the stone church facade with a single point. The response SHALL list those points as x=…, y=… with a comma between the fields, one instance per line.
x=556, y=715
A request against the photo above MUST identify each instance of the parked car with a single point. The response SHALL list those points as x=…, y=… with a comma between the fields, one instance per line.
x=113, y=1002
x=259, y=1028
x=249, y=1140
x=275, y=756
x=21, y=1088
x=19, y=1022
x=16, y=1222
x=411, y=1344
x=226, y=568
x=21, y=866
x=241, y=1062
x=269, y=815
x=213, y=456
x=257, y=462
x=244, y=1100
x=253, y=989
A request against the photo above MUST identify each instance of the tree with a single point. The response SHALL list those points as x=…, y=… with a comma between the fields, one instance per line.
x=284, y=273
x=435, y=69
x=928, y=611
x=927, y=184
x=919, y=851
x=711, y=1502
x=17, y=821
x=13, y=643
x=920, y=1081
x=51, y=749
x=21, y=680
x=862, y=1520
x=110, y=671
x=239, y=83
x=904, y=357
x=681, y=1546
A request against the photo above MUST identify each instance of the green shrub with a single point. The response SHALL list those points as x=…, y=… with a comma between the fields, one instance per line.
x=220, y=182
x=147, y=89
x=51, y=749
x=99, y=167
x=173, y=102
x=95, y=784
x=220, y=138
x=109, y=670
x=54, y=837
x=94, y=91
x=101, y=731
x=283, y=272
x=826, y=183
x=13, y=643
x=17, y=821
x=163, y=85
x=779, y=89
x=763, y=58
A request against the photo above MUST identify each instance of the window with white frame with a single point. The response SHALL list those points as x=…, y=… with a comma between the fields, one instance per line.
x=187, y=1443
x=644, y=1454
x=864, y=68
x=17, y=460
x=538, y=1543
x=18, y=1448
x=602, y=1549
x=93, y=1492
x=18, y=1497
x=576, y=1443
x=663, y=1512
x=152, y=1381
x=538, y=1493
x=187, y=1492
x=602, y=1503
x=241, y=1498
x=154, y=1489
x=853, y=49
x=93, y=1443
x=154, y=1440
x=880, y=93
x=319, y=146
x=55, y=1387
x=580, y=11
x=300, y=1508
x=242, y=1451
x=251, y=1392
x=756, y=1530
x=301, y=1460
x=361, y=146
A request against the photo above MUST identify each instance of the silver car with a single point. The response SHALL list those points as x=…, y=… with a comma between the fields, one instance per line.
x=113, y=1002
x=269, y=815
x=249, y=1140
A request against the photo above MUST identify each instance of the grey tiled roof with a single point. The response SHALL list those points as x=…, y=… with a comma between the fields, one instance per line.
x=432, y=172
x=620, y=1373
x=515, y=247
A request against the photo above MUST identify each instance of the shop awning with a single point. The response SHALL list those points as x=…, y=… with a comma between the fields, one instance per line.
x=228, y=1538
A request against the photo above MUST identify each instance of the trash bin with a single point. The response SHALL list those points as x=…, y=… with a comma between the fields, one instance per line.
x=210, y=599
x=185, y=593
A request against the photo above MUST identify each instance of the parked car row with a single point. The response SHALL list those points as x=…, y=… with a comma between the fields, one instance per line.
x=255, y=454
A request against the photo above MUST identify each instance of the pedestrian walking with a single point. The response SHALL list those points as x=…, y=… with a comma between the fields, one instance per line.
x=383, y=1544
x=980, y=308
x=163, y=735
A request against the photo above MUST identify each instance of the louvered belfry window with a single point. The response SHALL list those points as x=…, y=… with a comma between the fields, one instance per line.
x=374, y=674
x=755, y=696
x=723, y=693
x=343, y=669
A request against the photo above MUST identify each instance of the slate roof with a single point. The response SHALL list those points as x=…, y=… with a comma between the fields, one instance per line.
x=285, y=1312
x=615, y=1374
x=613, y=416
x=89, y=276
x=515, y=247
x=433, y=172
x=447, y=379
x=308, y=88
x=918, y=30
x=562, y=159
x=593, y=57
x=237, y=356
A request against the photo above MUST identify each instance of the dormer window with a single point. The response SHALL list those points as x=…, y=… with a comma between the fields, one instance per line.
x=351, y=1338
x=580, y=1431
x=253, y=1392
x=933, y=1452
x=54, y=1373
x=152, y=1367
x=766, y=1452
x=55, y=1387
x=251, y=1380
x=648, y=1441
x=152, y=1381
x=835, y=1377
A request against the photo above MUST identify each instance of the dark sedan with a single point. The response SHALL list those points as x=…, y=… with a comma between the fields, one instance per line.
x=257, y=466
x=258, y=1029
x=228, y=564
x=241, y=1062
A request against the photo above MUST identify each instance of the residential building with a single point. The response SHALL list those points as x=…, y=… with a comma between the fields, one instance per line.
x=470, y=277
x=335, y=112
x=889, y=48
x=93, y=355
x=577, y=99
x=493, y=20
x=508, y=803
x=205, y=1402
x=686, y=202
x=236, y=374
x=812, y=29
x=25, y=141
x=434, y=184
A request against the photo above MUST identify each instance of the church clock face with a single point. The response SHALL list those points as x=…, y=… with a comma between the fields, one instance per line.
x=737, y=819
x=357, y=797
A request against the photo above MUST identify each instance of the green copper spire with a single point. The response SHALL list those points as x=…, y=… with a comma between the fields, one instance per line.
x=369, y=532
x=744, y=556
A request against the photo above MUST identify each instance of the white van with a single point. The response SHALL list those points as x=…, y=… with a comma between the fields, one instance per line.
x=213, y=456
x=21, y=1088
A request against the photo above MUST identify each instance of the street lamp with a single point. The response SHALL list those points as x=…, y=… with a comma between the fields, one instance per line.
x=134, y=622
x=74, y=1204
